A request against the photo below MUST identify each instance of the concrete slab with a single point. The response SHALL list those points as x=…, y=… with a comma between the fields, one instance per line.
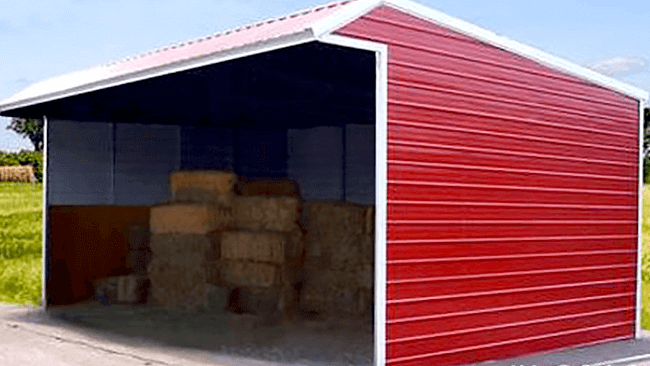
x=623, y=353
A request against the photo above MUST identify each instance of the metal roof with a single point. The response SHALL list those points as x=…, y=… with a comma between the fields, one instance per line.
x=299, y=27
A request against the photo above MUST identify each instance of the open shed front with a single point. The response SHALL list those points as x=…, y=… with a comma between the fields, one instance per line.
x=306, y=113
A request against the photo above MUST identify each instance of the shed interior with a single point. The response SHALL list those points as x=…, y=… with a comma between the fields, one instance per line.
x=306, y=113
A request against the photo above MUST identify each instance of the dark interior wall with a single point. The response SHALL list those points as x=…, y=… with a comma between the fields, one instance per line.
x=89, y=242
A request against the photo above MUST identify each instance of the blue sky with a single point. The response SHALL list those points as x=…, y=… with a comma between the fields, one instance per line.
x=44, y=38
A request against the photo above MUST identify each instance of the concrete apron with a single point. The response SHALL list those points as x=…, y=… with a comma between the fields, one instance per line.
x=622, y=353
x=68, y=335
x=30, y=336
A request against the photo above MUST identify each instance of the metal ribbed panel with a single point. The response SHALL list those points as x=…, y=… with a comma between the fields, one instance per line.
x=512, y=200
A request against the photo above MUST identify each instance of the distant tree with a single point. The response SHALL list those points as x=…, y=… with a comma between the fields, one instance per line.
x=31, y=128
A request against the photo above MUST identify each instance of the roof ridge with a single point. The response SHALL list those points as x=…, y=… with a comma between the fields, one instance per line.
x=293, y=14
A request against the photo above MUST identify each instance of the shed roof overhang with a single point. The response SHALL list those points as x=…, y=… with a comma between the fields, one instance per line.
x=297, y=28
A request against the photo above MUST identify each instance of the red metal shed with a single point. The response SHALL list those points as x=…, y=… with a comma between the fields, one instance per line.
x=507, y=181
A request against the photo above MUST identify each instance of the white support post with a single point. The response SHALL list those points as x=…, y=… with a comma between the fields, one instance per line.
x=44, y=250
x=638, y=332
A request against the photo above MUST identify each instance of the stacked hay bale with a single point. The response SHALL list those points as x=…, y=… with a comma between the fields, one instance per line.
x=262, y=259
x=186, y=237
x=339, y=257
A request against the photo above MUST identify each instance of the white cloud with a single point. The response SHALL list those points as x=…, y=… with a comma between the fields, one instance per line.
x=620, y=66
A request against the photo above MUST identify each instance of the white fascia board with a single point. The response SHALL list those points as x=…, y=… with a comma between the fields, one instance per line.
x=347, y=14
x=507, y=44
x=356, y=10
x=87, y=80
x=637, y=316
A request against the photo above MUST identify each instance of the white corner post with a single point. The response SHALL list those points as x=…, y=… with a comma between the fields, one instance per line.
x=381, y=181
x=637, y=320
x=45, y=252
x=381, y=204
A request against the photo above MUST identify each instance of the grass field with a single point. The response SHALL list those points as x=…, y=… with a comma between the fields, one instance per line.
x=20, y=243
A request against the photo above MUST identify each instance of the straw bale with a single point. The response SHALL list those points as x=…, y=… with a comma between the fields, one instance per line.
x=23, y=173
x=131, y=289
x=204, y=196
x=245, y=273
x=256, y=246
x=188, y=247
x=206, y=180
x=138, y=238
x=365, y=276
x=267, y=213
x=369, y=228
x=255, y=300
x=213, y=272
x=177, y=284
x=106, y=290
x=340, y=301
x=335, y=215
x=274, y=187
x=365, y=303
x=190, y=218
x=137, y=261
x=217, y=298
x=340, y=234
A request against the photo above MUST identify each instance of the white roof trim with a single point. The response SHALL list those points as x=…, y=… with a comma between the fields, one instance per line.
x=87, y=80
x=337, y=21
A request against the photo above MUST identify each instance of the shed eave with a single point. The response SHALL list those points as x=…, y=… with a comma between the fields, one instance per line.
x=82, y=82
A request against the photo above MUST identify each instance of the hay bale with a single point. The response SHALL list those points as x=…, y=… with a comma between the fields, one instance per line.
x=190, y=218
x=267, y=213
x=132, y=289
x=203, y=196
x=23, y=173
x=365, y=275
x=245, y=273
x=340, y=301
x=274, y=187
x=338, y=234
x=189, y=247
x=212, y=272
x=202, y=180
x=129, y=289
x=138, y=238
x=176, y=283
x=255, y=300
x=217, y=298
x=138, y=260
x=254, y=246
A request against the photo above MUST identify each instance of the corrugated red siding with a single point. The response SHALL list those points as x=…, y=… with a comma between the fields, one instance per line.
x=512, y=207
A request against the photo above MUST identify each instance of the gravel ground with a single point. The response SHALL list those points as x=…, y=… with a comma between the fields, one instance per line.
x=305, y=342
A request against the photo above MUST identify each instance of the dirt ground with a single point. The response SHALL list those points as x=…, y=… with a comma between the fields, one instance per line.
x=305, y=342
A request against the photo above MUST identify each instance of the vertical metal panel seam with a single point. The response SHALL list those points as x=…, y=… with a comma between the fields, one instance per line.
x=45, y=217
x=637, y=322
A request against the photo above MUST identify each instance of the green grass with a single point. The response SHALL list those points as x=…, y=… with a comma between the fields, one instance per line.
x=645, y=236
x=20, y=243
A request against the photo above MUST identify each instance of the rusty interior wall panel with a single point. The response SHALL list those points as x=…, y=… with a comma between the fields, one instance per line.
x=88, y=242
x=512, y=200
